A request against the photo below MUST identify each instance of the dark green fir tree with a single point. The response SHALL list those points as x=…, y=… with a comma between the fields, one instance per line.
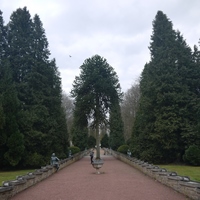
x=116, y=138
x=163, y=118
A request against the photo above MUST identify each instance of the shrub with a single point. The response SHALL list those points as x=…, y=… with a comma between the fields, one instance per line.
x=74, y=149
x=123, y=149
x=35, y=160
x=192, y=155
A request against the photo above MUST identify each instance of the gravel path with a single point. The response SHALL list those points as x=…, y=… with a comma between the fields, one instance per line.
x=117, y=181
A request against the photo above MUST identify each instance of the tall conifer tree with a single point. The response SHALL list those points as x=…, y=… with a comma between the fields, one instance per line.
x=12, y=144
x=163, y=117
x=42, y=119
x=96, y=90
x=2, y=59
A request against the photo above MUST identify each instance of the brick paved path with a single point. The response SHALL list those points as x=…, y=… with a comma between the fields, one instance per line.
x=117, y=181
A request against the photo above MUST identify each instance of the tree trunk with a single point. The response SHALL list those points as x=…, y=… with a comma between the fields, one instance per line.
x=97, y=128
x=97, y=142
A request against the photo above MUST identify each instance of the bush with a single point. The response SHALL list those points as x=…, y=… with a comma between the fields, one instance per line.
x=74, y=149
x=192, y=155
x=35, y=160
x=123, y=149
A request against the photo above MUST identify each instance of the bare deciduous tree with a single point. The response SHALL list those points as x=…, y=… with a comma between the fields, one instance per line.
x=129, y=108
x=68, y=106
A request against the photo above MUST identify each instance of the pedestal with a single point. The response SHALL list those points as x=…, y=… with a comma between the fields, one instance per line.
x=97, y=164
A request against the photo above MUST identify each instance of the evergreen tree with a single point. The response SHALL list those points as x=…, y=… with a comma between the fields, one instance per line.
x=20, y=40
x=80, y=137
x=12, y=147
x=57, y=116
x=163, y=117
x=79, y=127
x=91, y=142
x=38, y=84
x=3, y=136
x=116, y=138
x=2, y=59
x=194, y=83
x=25, y=70
x=105, y=141
x=95, y=91
x=3, y=42
x=41, y=51
x=11, y=140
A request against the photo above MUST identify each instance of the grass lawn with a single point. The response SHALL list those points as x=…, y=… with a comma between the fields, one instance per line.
x=11, y=175
x=182, y=170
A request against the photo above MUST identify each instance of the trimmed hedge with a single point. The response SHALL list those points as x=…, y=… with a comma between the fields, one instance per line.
x=74, y=149
x=123, y=149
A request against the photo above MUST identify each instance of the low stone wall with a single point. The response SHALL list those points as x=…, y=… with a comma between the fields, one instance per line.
x=182, y=184
x=12, y=187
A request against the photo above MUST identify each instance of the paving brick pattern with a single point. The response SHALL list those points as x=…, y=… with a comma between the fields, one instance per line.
x=117, y=181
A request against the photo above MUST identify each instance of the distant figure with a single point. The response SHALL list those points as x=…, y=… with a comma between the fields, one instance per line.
x=91, y=156
x=129, y=153
x=54, y=161
x=70, y=153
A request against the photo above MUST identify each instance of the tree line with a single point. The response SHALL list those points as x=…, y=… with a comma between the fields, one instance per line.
x=32, y=118
x=158, y=117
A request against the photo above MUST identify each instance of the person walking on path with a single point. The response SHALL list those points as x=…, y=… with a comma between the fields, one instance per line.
x=55, y=161
x=91, y=156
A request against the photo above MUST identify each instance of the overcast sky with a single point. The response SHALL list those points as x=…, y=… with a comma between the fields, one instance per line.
x=118, y=30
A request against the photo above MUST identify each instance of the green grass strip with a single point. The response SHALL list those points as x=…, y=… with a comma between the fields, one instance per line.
x=182, y=170
x=192, y=172
x=11, y=175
